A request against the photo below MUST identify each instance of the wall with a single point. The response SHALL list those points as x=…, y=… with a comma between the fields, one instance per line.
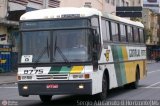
x=136, y=2
x=3, y=8
x=155, y=6
x=101, y=5
x=3, y=30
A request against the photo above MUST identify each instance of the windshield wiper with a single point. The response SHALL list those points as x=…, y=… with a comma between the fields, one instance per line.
x=41, y=54
x=44, y=50
x=60, y=51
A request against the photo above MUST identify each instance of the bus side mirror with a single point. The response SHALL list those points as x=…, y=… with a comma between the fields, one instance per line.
x=96, y=36
x=95, y=60
x=96, y=39
x=95, y=55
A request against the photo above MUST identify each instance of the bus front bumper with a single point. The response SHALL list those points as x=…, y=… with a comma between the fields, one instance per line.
x=54, y=87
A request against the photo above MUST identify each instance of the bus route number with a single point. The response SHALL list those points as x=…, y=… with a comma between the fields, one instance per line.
x=36, y=71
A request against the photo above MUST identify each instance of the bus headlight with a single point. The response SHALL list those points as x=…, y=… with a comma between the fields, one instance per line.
x=81, y=86
x=25, y=87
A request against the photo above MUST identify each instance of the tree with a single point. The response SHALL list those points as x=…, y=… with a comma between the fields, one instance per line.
x=148, y=34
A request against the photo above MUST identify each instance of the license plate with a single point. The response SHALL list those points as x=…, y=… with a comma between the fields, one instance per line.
x=52, y=86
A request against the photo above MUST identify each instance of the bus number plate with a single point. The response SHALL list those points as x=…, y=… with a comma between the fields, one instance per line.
x=37, y=71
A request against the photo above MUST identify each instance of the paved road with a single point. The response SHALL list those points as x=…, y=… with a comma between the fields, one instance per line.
x=149, y=89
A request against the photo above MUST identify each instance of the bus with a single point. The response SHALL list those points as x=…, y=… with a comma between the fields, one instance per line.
x=78, y=51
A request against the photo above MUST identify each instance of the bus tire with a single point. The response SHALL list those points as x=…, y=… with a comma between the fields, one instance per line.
x=104, y=93
x=135, y=84
x=45, y=98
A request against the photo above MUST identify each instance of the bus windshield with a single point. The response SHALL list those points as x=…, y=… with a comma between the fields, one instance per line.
x=57, y=45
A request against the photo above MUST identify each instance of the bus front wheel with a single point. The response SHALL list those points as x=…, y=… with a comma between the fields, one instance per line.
x=45, y=98
x=104, y=93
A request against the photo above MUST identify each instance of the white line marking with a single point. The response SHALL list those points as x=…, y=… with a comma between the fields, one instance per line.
x=154, y=87
x=153, y=71
x=150, y=87
x=7, y=87
x=152, y=84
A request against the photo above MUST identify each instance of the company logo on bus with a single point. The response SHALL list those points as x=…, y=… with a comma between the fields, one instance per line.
x=107, y=55
x=52, y=86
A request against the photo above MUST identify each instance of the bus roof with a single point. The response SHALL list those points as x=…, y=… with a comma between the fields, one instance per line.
x=82, y=12
x=58, y=12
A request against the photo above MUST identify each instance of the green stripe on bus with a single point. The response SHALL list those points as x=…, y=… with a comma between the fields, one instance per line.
x=55, y=70
x=65, y=70
x=116, y=65
x=122, y=67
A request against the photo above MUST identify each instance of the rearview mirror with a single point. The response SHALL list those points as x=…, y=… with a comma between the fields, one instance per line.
x=96, y=36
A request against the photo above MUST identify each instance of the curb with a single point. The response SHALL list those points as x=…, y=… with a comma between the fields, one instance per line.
x=8, y=83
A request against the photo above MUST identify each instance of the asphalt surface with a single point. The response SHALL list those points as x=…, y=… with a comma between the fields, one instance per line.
x=149, y=90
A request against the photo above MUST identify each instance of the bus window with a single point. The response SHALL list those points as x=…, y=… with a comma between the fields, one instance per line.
x=123, y=33
x=130, y=34
x=114, y=27
x=136, y=35
x=105, y=30
x=141, y=35
x=108, y=32
x=95, y=23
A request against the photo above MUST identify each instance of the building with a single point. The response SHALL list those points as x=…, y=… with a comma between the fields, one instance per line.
x=123, y=3
x=153, y=5
x=102, y=5
x=129, y=8
x=108, y=6
x=158, y=29
x=19, y=7
x=10, y=12
x=150, y=19
x=136, y=2
x=5, y=24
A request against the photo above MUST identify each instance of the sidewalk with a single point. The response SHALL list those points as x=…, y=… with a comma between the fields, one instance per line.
x=9, y=77
x=151, y=61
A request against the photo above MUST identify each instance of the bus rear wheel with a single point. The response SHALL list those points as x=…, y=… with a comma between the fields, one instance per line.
x=135, y=84
x=104, y=93
x=45, y=98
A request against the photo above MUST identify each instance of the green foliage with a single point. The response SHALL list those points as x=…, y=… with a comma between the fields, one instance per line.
x=137, y=19
x=148, y=33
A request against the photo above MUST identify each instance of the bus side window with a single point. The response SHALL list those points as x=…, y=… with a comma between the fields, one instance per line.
x=123, y=33
x=108, y=31
x=141, y=35
x=130, y=33
x=136, y=35
x=95, y=23
x=105, y=31
x=115, y=35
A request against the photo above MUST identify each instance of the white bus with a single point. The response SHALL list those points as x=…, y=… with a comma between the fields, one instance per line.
x=78, y=51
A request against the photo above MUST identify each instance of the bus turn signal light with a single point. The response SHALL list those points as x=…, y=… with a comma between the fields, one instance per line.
x=87, y=76
x=18, y=77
